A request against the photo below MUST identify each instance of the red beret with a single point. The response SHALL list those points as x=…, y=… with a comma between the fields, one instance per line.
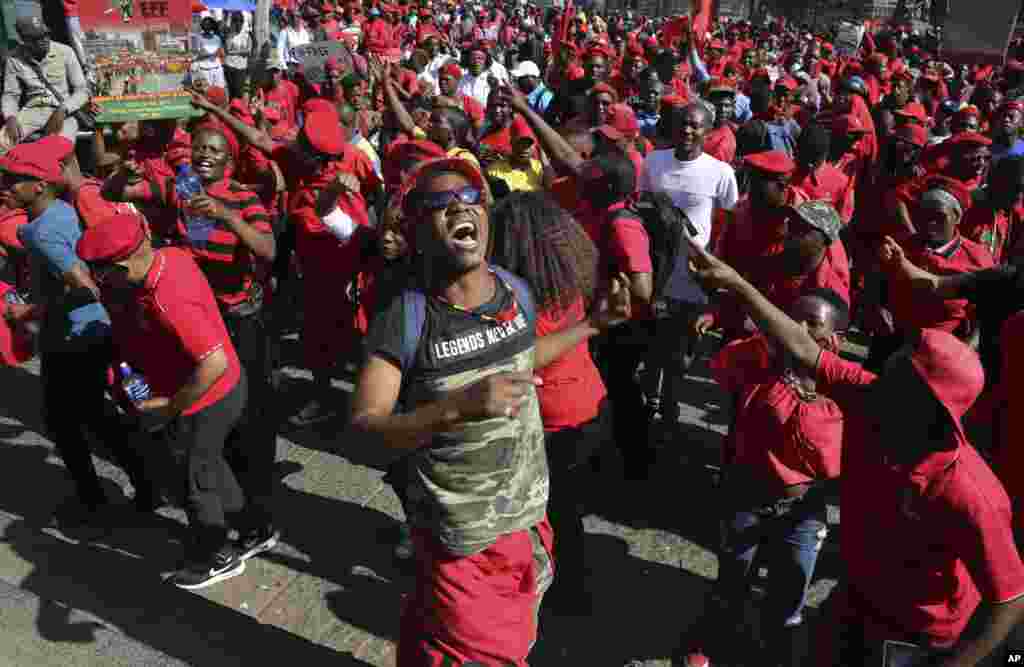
x=402, y=157
x=604, y=88
x=968, y=140
x=318, y=104
x=787, y=82
x=332, y=64
x=598, y=50
x=217, y=95
x=634, y=50
x=913, y=110
x=452, y=70
x=112, y=240
x=1013, y=105
x=624, y=120
x=323, y=132
x=912, y=134
x=61, y=146
x=34, y=161
x=848, y=124
x=771, y=162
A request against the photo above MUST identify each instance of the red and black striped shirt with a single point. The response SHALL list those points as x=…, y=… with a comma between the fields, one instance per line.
x=227, y=263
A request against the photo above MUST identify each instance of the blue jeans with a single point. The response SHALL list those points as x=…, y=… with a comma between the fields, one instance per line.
x=791, y=535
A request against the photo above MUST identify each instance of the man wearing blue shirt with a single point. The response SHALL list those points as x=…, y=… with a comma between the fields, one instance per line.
x=74, y=341
x=527, y=77
x=1006, y=127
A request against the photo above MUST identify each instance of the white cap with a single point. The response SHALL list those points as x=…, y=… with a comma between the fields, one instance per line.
x=525, y=68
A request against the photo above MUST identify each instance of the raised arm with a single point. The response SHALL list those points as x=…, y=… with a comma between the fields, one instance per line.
x=562, y=155
x=773, y=323
x=252, y=135
x=405, y=121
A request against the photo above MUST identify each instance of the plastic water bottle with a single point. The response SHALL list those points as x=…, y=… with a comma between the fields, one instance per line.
x=134, y=384
x=187, y=185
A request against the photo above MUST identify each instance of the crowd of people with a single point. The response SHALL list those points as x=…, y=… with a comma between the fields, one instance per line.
x=522, y=226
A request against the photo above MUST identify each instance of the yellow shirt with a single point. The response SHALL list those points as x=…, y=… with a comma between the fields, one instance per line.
x=519, y=179
x=466, y=155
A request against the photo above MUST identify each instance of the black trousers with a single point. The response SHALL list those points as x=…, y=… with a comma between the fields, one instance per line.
x=251, y=450
x=236, y=80
x=74, y=374
x=618, y=354
x=569, y=450
x=213, y=490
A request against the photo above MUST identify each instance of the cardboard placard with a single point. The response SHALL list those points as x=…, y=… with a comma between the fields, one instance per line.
x=314, y=55
x=145, y=107
x=979, y=37
x=848, y=38
x=139, y=52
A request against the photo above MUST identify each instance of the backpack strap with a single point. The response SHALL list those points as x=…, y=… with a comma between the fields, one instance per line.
x=521, y=291
x=414, y=311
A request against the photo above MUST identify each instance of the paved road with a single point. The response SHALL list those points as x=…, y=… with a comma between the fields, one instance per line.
x=330, y=593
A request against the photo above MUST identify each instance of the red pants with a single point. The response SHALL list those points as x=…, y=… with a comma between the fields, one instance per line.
x=329, y=322
x=480, y=608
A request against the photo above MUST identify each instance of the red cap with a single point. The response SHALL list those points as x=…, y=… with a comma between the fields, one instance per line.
x=179, y=150
x=323, y=132
x=452, y=70
x=112, y=240
x=624, y=120
x=848, y=124
x=912, y=134
x=456, y=164
x=771, y=162
x=34, y=161
x=969, y=140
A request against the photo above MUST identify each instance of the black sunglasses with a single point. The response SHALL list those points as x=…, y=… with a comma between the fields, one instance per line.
x=436, y=201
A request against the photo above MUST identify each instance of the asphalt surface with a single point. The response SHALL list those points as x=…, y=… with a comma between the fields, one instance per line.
x=330, y=592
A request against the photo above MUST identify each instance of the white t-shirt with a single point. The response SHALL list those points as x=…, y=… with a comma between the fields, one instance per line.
x=698, y=187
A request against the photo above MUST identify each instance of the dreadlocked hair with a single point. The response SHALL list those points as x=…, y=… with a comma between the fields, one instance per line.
x=537, y=239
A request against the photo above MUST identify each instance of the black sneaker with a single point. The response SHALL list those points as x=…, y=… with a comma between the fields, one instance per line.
x=255, y=543
x=223, y=565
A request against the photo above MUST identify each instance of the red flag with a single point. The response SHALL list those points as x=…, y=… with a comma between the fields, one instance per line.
x=562, y=34
x=701, y=18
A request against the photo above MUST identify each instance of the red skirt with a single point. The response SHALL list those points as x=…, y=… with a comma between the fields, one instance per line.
x=479, y=608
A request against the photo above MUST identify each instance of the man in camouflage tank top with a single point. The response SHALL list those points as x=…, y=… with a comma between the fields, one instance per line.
x=459, y=346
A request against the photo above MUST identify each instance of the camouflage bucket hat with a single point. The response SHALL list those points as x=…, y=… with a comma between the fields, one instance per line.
x=822, y=216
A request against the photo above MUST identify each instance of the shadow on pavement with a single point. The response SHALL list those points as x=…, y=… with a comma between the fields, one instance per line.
x=641, y=608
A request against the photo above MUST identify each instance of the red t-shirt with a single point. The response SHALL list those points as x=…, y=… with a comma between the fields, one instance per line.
x=779, y=438
x=622, y=245
x=833, y=272
x=572, y=391
x=721, y=144
x=912, y=310
x=501, y=140
x=171, y=326
x=944, y=523
x=830, y=184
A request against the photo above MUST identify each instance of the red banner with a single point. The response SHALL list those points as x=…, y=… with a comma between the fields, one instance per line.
x=135, y=15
